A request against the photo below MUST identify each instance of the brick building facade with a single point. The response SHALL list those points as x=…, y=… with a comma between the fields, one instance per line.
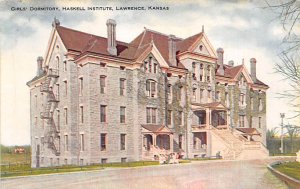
x=99, y=100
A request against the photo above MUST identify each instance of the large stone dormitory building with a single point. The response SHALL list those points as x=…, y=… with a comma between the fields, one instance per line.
x=99, y=100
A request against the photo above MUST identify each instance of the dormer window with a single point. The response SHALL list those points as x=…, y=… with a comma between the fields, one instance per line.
x=122, y=67
x=151, y=88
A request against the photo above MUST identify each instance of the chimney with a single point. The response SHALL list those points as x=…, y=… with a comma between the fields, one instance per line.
x=39, y=65
x=231, y=63
x=253, y=69
x=111, y=37
x=172, y=50
x=220, y=53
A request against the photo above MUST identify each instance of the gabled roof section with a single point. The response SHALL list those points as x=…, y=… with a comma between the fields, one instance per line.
x=156, y=128
x=233, y=72
x=83, y=42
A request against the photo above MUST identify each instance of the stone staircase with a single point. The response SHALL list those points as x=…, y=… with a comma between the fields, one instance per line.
x=238, y=147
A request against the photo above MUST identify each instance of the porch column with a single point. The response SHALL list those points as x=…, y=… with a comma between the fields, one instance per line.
x=207, y=112
x=227, y=119
x=210, y=117
x=171, y=142
x=154, y=139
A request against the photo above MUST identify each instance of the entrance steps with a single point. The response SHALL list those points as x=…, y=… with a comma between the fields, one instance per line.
x=237, y=147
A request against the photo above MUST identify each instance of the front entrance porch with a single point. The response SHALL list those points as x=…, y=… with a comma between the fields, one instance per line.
x=210, y=114
x=157, y=142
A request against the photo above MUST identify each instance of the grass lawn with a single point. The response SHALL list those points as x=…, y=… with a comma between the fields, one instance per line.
x=291, y=169
x=290, y=154
x=25, y=169
x=7, y=158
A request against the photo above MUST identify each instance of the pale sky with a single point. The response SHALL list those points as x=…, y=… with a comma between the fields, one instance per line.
x=242, y=28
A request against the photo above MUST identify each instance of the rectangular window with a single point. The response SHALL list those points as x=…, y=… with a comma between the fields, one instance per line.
x=66, y=87
x=102, y=113
x=259, y=122
x=81, y=114
x=123, y=160
x=151, y=115
x=122, y=141
x=66, y=115
x=66, y=143
x=122, y=87
x=242, y=121
x=169, y=117
x=180, y=141
x=180, y=118
x=251, y=103
x=148, y=115
x=102, y=84
x=122, y=114
x=104, y=160
x=66, y=161
x=80, y=85
x=81, y=142
x=151, y=88
x=103, y=142
x=155, y=68
x=201, y=95
x=102, y=65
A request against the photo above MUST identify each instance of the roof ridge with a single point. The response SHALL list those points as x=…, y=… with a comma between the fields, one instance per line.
x=88, y=34
x=160, y=33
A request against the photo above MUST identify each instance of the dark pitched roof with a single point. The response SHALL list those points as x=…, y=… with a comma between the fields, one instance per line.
x=84, y=42
x=229, y=71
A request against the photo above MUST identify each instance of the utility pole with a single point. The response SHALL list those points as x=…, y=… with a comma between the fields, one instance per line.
x=281, y=137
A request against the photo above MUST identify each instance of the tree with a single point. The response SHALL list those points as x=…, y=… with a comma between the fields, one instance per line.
x=292, y=131
x=271, y=133
x=288, y=13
